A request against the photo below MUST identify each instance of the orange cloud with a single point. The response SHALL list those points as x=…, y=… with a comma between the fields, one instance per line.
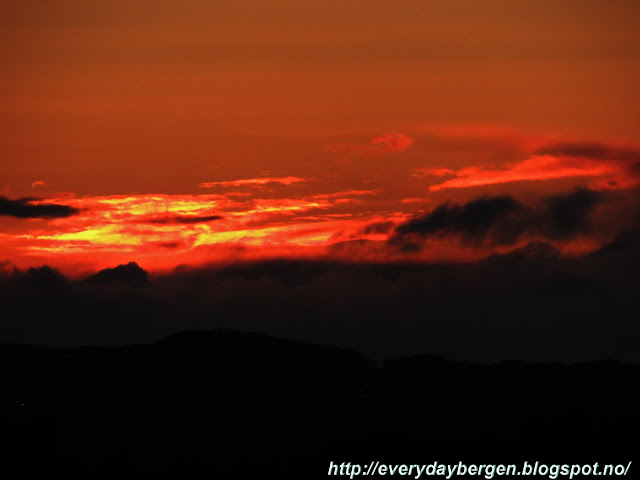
x=607, y=165
x=108, y=229
x=534, y=168
x=254, y=182
x=263, y=217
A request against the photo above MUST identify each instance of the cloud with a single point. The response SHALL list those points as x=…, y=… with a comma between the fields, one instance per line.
x=503, y=220
x=43, y=277
x=129, y=274
x=344, y=194
x=625, y=244
x=112, y=227
x=535, y=168
x=432, y=172
x=397, y=142
x=32, y=208
x=185, y=219
x=378, y=228
x=589, y=150
x=530, y=303
x=534, y=250
x=254, y=182
x=567, y=214
x=39, y=183
x=612, y=165
x=170, y=245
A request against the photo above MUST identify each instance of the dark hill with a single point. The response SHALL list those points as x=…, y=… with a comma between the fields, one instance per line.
x=221, y=400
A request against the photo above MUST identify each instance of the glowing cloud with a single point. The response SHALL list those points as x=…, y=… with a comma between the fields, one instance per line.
x=537, y=167
x=104, y=229
x=254, y=182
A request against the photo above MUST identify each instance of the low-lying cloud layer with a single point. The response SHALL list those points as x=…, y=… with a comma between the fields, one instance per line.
x=532, y=303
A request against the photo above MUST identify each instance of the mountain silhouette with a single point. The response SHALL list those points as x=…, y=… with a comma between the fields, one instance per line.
x=217, y=400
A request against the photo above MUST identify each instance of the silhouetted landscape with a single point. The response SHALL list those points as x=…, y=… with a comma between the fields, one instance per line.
x=529, y=304
x=291, y=364
x=222, y=400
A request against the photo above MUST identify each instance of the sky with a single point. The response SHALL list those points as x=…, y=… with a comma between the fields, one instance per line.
x=202, y=132
x=399, y=178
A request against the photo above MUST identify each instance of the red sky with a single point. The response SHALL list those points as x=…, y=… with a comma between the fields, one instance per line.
x=194, y=132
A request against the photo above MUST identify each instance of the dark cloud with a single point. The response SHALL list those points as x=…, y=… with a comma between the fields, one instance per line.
x=25, y=208
x=625, y=245
x=589, y=150
x=185, y=219
x=44, y=277
x=378, y=227
x=503, y=220
x=282, y=271
x=500, y=219
x=567, y=215
x=410, y=247
x=358, y=248
x=129, y=274
x=532, y=304
x=169, y=245
x=543, y=251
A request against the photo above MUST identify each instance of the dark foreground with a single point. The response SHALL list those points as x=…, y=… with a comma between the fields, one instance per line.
x=239, y=404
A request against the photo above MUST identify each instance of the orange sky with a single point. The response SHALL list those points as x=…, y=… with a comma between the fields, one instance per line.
x=298, y=124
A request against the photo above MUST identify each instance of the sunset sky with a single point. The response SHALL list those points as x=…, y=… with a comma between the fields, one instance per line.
x=195, y=132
